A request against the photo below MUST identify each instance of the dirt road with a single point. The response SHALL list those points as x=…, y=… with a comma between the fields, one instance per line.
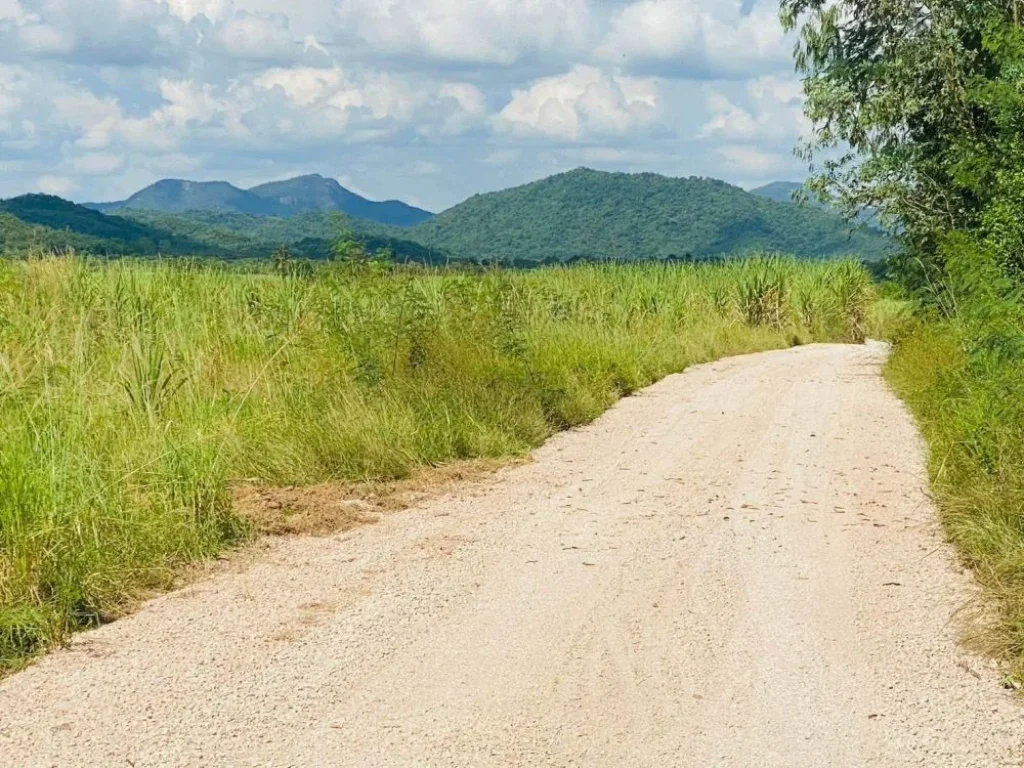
x=738, y=567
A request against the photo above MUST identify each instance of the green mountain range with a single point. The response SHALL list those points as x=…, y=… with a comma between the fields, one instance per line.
x=48, y=223
x=303, y=194
x=592, y=214
x=306, y=235
x=581, y=214
x=316, y=193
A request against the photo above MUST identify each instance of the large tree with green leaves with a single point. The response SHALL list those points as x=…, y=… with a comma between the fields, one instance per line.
x=917, y=107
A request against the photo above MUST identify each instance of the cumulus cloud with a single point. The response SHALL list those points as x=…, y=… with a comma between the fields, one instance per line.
x=714, y=37
x=97, y=163
x=12, y=88
x=55, y=185
x=256, y=36
x=330, y=101
x=434, y=99
x=753, y=162
x=180, y=34
x=482, y=31
x=13, y=11
x=583, y=103
x=772, y=111
x=187, y=10
x=293, y=105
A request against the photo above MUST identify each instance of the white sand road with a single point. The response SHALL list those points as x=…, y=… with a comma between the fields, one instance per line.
x=737, y=567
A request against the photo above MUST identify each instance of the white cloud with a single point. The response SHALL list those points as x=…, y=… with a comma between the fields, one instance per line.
x=55, y=185
x=97, y=163
x=773, y=111
x=330, y=101
x=426, y=168
x=12, y=88
x=711, y=35
x=783, y=90
x=754, y=162
x=186, y=106
x=12, y=10
x=258, y=37
x=187, y=10
x=95, y=118
x=468, y=97
x=481, y=31
x=583, y=103
x=444, y=97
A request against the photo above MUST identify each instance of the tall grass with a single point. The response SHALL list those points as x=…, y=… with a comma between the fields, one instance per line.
x=133, y=394
x=963, y=376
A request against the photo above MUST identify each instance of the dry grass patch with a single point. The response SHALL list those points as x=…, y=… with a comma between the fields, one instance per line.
x=328, y=508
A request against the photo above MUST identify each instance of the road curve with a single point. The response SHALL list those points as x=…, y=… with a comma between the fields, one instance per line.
x=737, y=567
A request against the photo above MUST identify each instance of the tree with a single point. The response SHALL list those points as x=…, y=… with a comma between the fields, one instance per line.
x=896, y=91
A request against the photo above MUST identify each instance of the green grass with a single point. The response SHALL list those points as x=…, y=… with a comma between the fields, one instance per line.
x=133, y=394
x=964, y=380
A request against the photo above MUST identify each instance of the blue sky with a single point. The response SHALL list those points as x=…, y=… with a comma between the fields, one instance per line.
x=424, y=100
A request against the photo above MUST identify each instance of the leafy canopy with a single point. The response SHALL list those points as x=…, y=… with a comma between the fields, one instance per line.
x=918, y=113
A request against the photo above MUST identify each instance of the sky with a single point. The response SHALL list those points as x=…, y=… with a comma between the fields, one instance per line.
x=428, y=101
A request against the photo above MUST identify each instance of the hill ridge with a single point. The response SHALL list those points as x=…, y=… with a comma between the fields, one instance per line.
x=287, y=197
x=586, y=213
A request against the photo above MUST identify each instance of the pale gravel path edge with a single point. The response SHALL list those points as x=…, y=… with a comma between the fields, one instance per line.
x=738, y=567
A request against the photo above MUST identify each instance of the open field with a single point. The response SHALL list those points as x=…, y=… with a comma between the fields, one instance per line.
x=133, y=395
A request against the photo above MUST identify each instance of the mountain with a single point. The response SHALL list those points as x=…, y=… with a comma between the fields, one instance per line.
x=779, y=191
x=304, y=194
x=50, y=223
x=315, y=193
x=178, y=195
x=785, y=192
x=592, y=214
x=308, y=235
x=581, y=214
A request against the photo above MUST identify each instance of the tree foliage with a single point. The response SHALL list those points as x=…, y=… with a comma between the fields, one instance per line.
x=918, y=113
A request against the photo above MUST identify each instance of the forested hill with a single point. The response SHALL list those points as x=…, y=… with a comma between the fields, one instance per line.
x=304, y=194
x=581, y=214
x=178, y=195
x=592, y=214
x=47, y=223
x=50, y=223
x=309, y=235
x=314, y=193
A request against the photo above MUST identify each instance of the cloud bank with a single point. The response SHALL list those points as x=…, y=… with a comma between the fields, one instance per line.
x=426, y=100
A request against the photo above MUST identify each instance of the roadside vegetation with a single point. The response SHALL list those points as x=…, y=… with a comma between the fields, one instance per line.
x=919, y=115
x=134, y=394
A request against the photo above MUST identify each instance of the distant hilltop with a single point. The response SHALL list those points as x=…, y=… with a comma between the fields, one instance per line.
x=303, y=194
x=582, y=214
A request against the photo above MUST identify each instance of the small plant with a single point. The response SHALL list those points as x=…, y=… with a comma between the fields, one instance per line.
x=764, y=294
x=151, y=381
x=282, y=261
x=850, y=290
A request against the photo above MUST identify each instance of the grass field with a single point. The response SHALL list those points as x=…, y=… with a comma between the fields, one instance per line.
x=964, y=379
x=133, y=395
